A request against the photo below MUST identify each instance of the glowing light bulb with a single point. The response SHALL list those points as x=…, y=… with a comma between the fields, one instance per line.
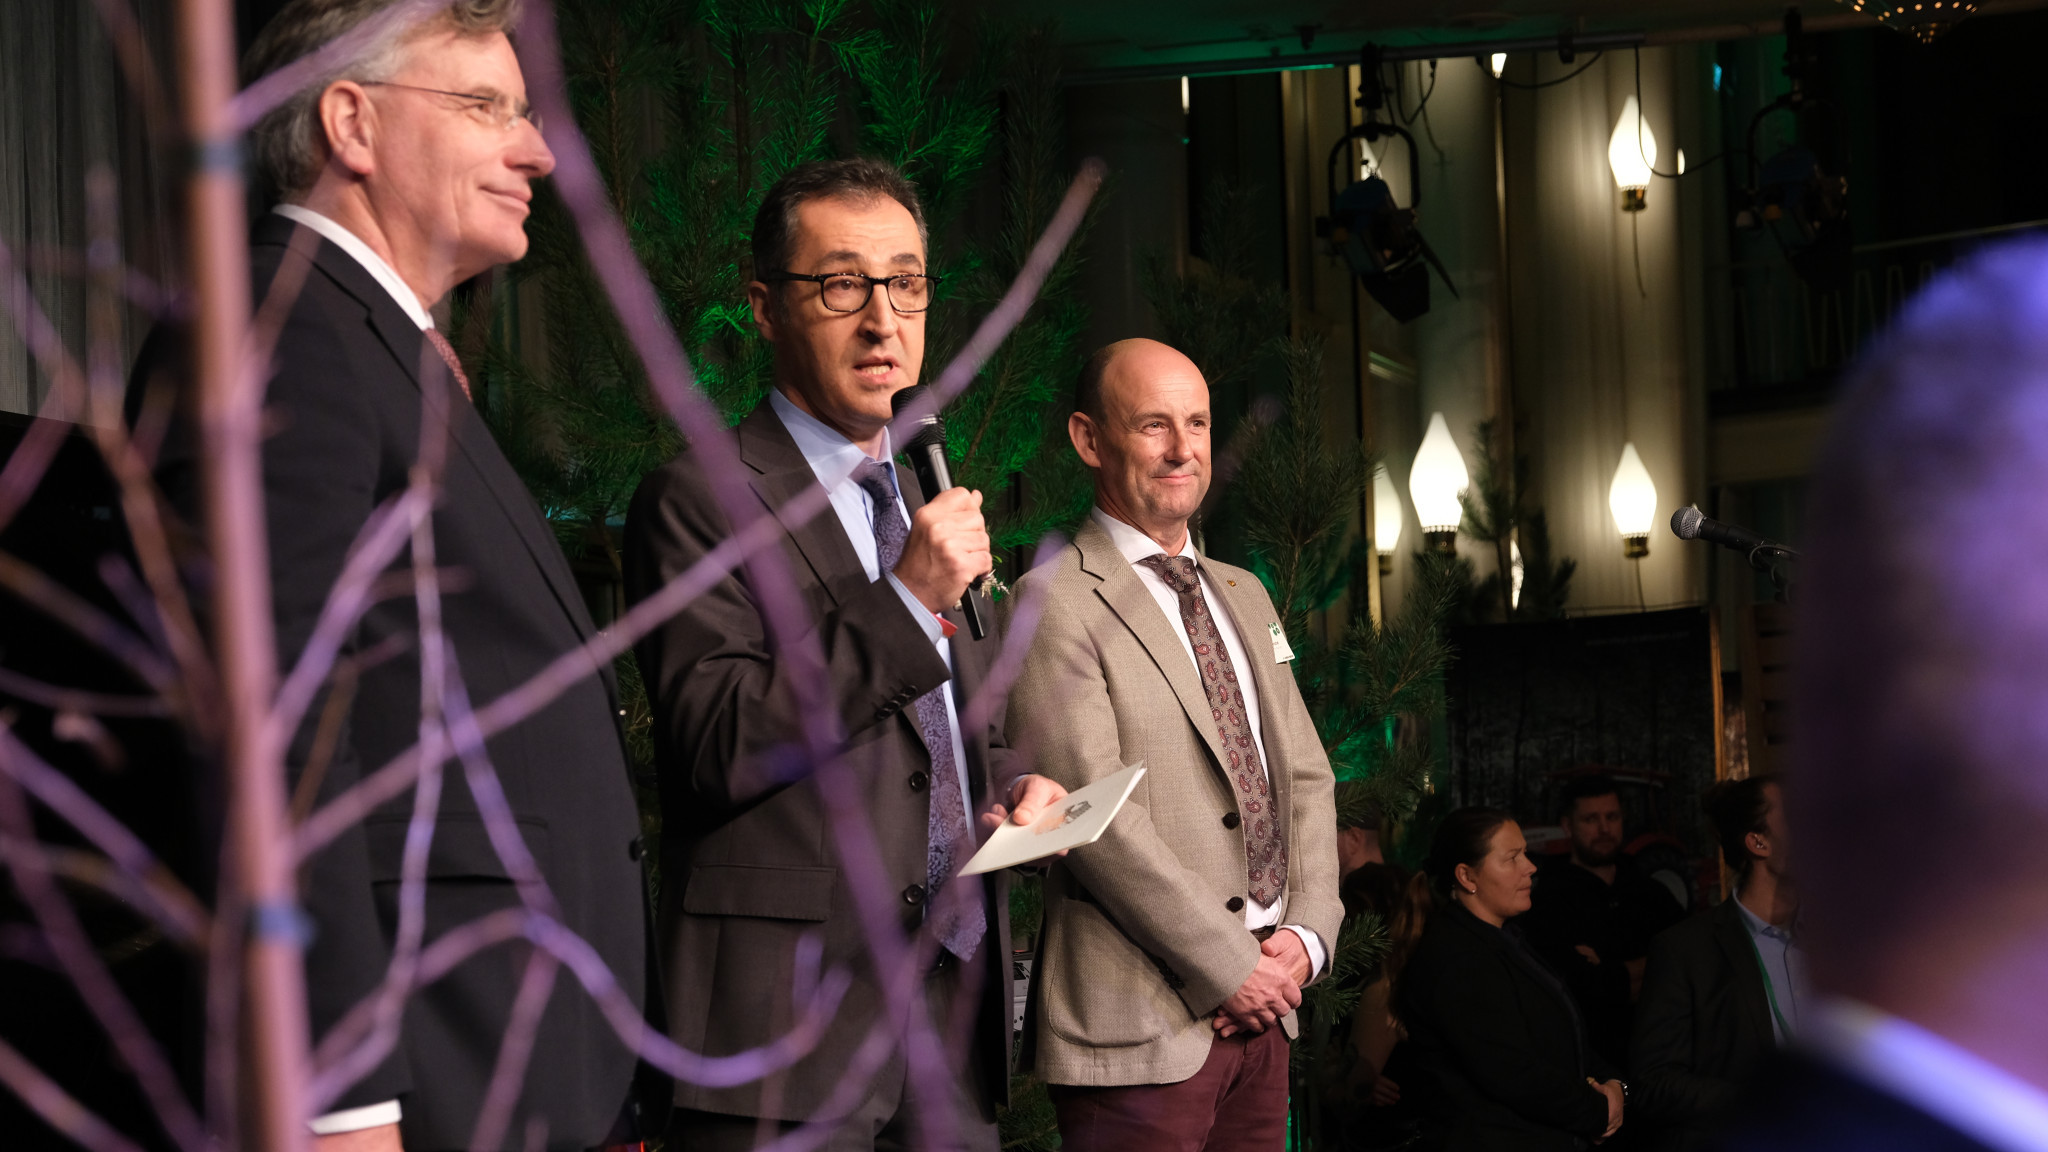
x=1498, y=62
x=1633, y=500
x=1434, y=483
x=1632, y=154
x=1386, y=517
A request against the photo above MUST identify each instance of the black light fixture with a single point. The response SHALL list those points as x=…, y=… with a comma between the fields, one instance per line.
x=1799, y=195
x=1367, y=226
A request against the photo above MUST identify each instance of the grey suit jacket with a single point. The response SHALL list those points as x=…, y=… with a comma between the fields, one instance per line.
x=749, y=864
x=1141, y=943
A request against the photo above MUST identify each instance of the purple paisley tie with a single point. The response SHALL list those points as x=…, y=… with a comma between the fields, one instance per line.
x=1265, y=856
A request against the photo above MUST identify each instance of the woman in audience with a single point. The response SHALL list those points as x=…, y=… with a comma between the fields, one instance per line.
x=1500, y=1053
x=1377, y=1118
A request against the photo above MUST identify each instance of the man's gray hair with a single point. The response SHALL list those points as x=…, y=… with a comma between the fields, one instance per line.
x=288, y=147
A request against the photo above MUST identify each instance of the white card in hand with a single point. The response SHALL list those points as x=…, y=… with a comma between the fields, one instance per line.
x=1080, y=819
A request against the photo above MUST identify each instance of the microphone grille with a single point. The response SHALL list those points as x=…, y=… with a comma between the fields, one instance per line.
x=926, y=432
x=1685, y=523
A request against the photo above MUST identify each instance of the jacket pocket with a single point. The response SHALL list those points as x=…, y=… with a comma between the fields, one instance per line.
x=771, y=892
x=1101, y=989
x=461, y=848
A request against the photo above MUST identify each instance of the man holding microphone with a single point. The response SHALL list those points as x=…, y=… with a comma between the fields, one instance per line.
x=750, y=865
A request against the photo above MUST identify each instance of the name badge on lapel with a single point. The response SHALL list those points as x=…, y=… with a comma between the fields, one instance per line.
x=1282, y=652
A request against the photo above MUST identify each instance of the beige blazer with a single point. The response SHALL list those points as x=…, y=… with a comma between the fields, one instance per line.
x=1141, y=942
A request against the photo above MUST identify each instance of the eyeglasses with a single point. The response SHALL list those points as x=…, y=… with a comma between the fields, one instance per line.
x=502, y=111
x=851, y=291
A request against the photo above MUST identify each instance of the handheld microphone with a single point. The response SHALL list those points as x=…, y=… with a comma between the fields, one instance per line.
x=1689, y=523
x=927, y=452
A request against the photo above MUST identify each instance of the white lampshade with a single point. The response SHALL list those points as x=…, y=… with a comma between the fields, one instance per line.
x=1386, y=512
x=1437, y=478
x=1681, y=161
x=1633, y=496
x=1630, y=155
x=1498, y=62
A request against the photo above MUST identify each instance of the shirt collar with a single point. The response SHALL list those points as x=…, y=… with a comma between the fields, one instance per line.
x=1962, y=1089
x=1135, y=545
x=831, y=455
x=372, y=263
x=1758, y=926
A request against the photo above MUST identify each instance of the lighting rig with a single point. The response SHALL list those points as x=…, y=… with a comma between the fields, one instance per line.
x=1367, y=226
x=1799, y=197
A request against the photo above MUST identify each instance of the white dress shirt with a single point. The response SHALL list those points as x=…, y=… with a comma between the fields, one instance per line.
x=1136, y=546
x=352, y=244
x=1784, y=971
x=833, y=458
x=1956, y=1086
x=387, y=1111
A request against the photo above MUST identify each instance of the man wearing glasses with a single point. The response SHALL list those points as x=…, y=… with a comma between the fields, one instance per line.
x=755, y=893
x=400, y=172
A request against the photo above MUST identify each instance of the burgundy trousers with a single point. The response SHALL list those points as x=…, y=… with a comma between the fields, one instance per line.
x=1238, y=1101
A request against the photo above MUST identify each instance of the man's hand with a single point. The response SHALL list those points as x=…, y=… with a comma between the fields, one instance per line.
x=1385, y=1093
x=382, y=1138
x=1586, y=950
x=1286, y=946
x=1612, y=1090
x=948, y=548
x=1269, y=993
x=1030, y=796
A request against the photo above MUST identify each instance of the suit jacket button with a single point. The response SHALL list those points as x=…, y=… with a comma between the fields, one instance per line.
x=1232, y=819
x=915, y=894
x=918, y=780
x=1234, y=904
x=633, y=849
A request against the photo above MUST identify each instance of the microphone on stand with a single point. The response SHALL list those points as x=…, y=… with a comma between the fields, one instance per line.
x=1689, y=523
x=927, y=452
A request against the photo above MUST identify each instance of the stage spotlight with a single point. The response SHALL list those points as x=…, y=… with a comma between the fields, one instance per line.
x=1370, y=229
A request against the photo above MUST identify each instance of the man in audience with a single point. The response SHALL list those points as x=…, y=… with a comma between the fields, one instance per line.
x=1922, y=678
x=1595, y=913
x=1725, y=988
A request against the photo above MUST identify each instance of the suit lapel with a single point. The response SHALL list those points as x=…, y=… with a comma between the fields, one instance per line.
x=1733, y=937
x=402, y=339
x=1132, y=602
x=780, y=475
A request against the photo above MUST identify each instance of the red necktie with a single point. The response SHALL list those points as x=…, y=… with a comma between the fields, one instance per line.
x=448, y=356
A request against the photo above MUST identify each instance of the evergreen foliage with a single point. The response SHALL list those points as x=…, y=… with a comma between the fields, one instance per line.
x=1497, y=513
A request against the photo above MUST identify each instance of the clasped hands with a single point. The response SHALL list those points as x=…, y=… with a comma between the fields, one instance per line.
x=1270, y=992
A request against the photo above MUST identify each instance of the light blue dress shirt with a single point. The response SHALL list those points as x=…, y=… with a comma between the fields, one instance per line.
x=833, y=458
x=1784, y=966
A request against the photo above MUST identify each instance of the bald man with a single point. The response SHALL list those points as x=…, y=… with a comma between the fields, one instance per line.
x=1174, y=948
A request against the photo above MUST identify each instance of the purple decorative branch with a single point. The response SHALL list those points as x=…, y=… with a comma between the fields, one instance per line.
x=255, y=101
x=56, y=1106
x=514, y=1052
x=82, y=965
x=63, y=699
x=175, y=907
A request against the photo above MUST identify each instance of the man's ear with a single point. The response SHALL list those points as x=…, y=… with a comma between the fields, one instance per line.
x=1758, y=844
x=349, y=122
x=764, y=309
x=1081, y=430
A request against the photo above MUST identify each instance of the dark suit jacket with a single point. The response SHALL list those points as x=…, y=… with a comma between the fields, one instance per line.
x=1800, y=1104
x=1502, y=1056
x=1703, y=1027
x=749, y=863
x=345, y=401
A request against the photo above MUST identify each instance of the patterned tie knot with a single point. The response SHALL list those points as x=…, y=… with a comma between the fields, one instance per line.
x=1177, y=571
x=876, y=479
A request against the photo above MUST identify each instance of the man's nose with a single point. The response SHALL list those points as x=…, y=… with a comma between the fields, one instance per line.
x=530, y=152
x=879, y=320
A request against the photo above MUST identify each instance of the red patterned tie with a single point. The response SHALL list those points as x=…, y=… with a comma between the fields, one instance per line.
x=448, y=356
x=1265, y=856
